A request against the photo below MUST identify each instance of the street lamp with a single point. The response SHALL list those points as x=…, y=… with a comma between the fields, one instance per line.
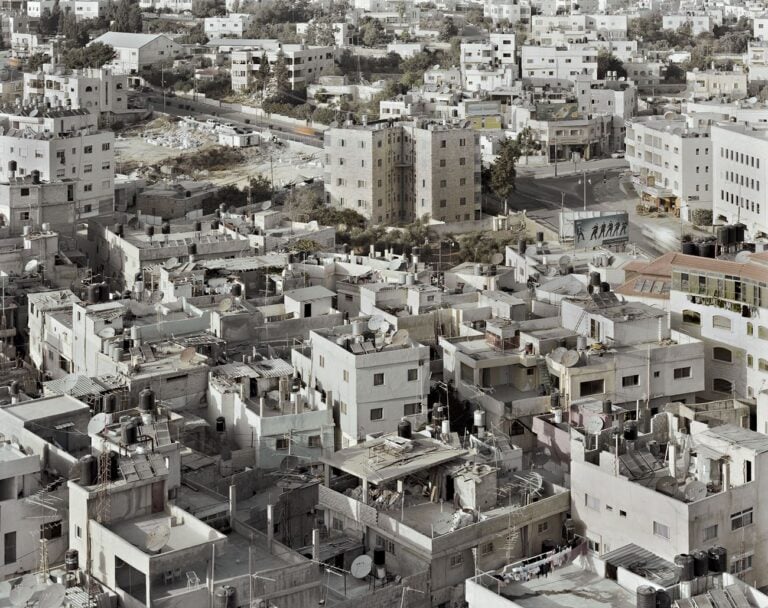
x=584, y=182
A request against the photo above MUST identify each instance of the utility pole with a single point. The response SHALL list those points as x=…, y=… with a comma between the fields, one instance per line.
x=555, y=138
x=162, y=83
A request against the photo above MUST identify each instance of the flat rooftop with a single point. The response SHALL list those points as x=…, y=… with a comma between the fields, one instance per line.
x=47, y=407
x=390, y=457
x=182, y=536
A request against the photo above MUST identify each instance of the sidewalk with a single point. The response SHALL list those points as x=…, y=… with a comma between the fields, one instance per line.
x=566, y=168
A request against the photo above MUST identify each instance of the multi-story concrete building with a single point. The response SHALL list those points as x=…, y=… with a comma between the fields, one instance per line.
x=740, y=176
x=174, y=6
x=671, y=162
x=698, y=22
x=134, y=52
x=96, y=90
x=512, y=11
x=559, y=63
x=614, y=98
x=305, y=63
x=369, y=384
x=398, y=172
x=705, y=84
x=56, y=146
x=233, y=24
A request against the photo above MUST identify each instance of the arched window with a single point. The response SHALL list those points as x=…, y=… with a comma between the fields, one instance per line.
x=88, y=89
x=119, y=85
x=721, y=385
x=722, y=354
x=721, y=322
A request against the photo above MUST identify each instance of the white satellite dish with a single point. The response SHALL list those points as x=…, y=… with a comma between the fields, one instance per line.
x=157, y=537
x=106, y=332
x=571, y=358
x=187, y=354
x=695, y=490
x=313, y=225
x=400, y=337
x=594, y=425
x=667, y=485
x=497, y=258
x=97, y=423
x=557, y=354
x=171, y=263
x=375, y=323
x=225, y=305
x=266, y=205
x=52, y=596
x=32, y=266
x=24, y=591
x=361, y=566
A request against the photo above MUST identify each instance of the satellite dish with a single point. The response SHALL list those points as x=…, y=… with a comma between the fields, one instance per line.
x=22, y=592
x=695, y=490
x=97, y=423
x=313, y=225
x=107, y=332
x=594, y=425
x=557, y=354
x=289, y=462
x=52, y=596
x=171, y=263
x=133, y=222
x=187, y=354
x=225, y=305
x=667, y=485
x=400, y=337
x=535, y=481
x=266, y=205
x=32, y=266
x=375, y=323
x=497, y=258
x=361, y=566
x=571, y=358
x=157, y=537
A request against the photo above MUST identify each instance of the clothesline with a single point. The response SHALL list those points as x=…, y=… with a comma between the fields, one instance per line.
x=541, y=564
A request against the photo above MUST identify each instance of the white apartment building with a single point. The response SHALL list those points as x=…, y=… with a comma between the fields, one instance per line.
x=723, y=304
x=611, y=26
x=343, y=33
x=233, y=24
x=305, y=63
x=704, y=84
x=559, y=63
x=513, y=11
x=645, y=73
x=740, y=176
x=138, y=51
x=699, y=23
x=671, y=162
x=370, y=388
x=95, y=90
x=174, y=6
x=489, y=79
x=58, y=146
x=399, y=172
x=760, y=27
x=499, y=50
x=757, y=59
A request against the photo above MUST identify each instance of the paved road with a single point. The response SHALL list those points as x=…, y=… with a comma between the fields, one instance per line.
x=177, y=106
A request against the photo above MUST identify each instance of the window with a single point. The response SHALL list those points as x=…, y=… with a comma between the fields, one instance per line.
x=630, y=380
x=9, y=548
x=591, y=387
x=657, y=374
x=88, y=188
x=710, y=532
x=692, y=317
x=721, y=385
x=741, y=519
x=721, y=322
x=722, y=354
x=413, y=374
x=661, y=530
x=543, y=527
x=378, y=379
x=345, y=375
x=622, y=513
x=87, y=149
x=281, y=444
x=409, y=409
x=591, y=502
x=105, y=166
x=321, y=361
x=682, y=372
x=741, y=564
x=456, y=560
x=314, y=441
x=50, y=530
x=486, y=548
x=105, y=147
x=377, y=413
x=593, y=545
x=442, y=162
x=87, y=168
x=342, y=407
x=338, y=524
x=78, y=532
x=24, y=216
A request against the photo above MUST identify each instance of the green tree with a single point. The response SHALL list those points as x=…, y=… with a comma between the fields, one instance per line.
x=504, y=169
x=526, y=142
x=674, y=74
x=75, y=35
x=35, y=62
x=92, y=56
x=262, y=76
x=372, y=33
x=448, y=30
x=49, y=21
x=127, y=17
x=608, y=62
x=282, y=76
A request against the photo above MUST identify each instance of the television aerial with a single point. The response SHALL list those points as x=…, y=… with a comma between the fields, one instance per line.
x=594, y=425
x=52, y=596
x=97, y=424
x=31, y=267
x=361, y=566
x=187, y=354
x=157, y=538
x=497, y=258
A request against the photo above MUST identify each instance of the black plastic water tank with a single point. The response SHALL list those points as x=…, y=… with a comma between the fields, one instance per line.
x=707, y=249
x=594, y=278
x=379, y=556
x=689, y=248
x=147, y=400
x=165, y=228
x=718, y=560
x=723, y=234
x=88, y=471
x=114, y=464
x=646, y=596
x=404, y=429
x=237, y=290
x=118, y=230
x=539, y=237
x=700, y=563
x=215, y=225
x=663, y=599
x=109, y=403
x=739, y=232
x=129, y=432
x=607, y=406
x=104, y=292
x=221, y=424
x=605, y=287
x=192, y=249
x=684, y=563
x=149, y=230
x=522, y=245
x=198, y=226
x=71, y=560
x=94, y=293
x=630, y=430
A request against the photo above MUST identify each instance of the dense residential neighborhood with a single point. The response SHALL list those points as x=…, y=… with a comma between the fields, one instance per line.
x=385, y=303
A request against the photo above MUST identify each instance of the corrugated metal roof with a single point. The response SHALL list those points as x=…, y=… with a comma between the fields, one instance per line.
x=644, y=563
x=268, y=368
x=75, y=385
